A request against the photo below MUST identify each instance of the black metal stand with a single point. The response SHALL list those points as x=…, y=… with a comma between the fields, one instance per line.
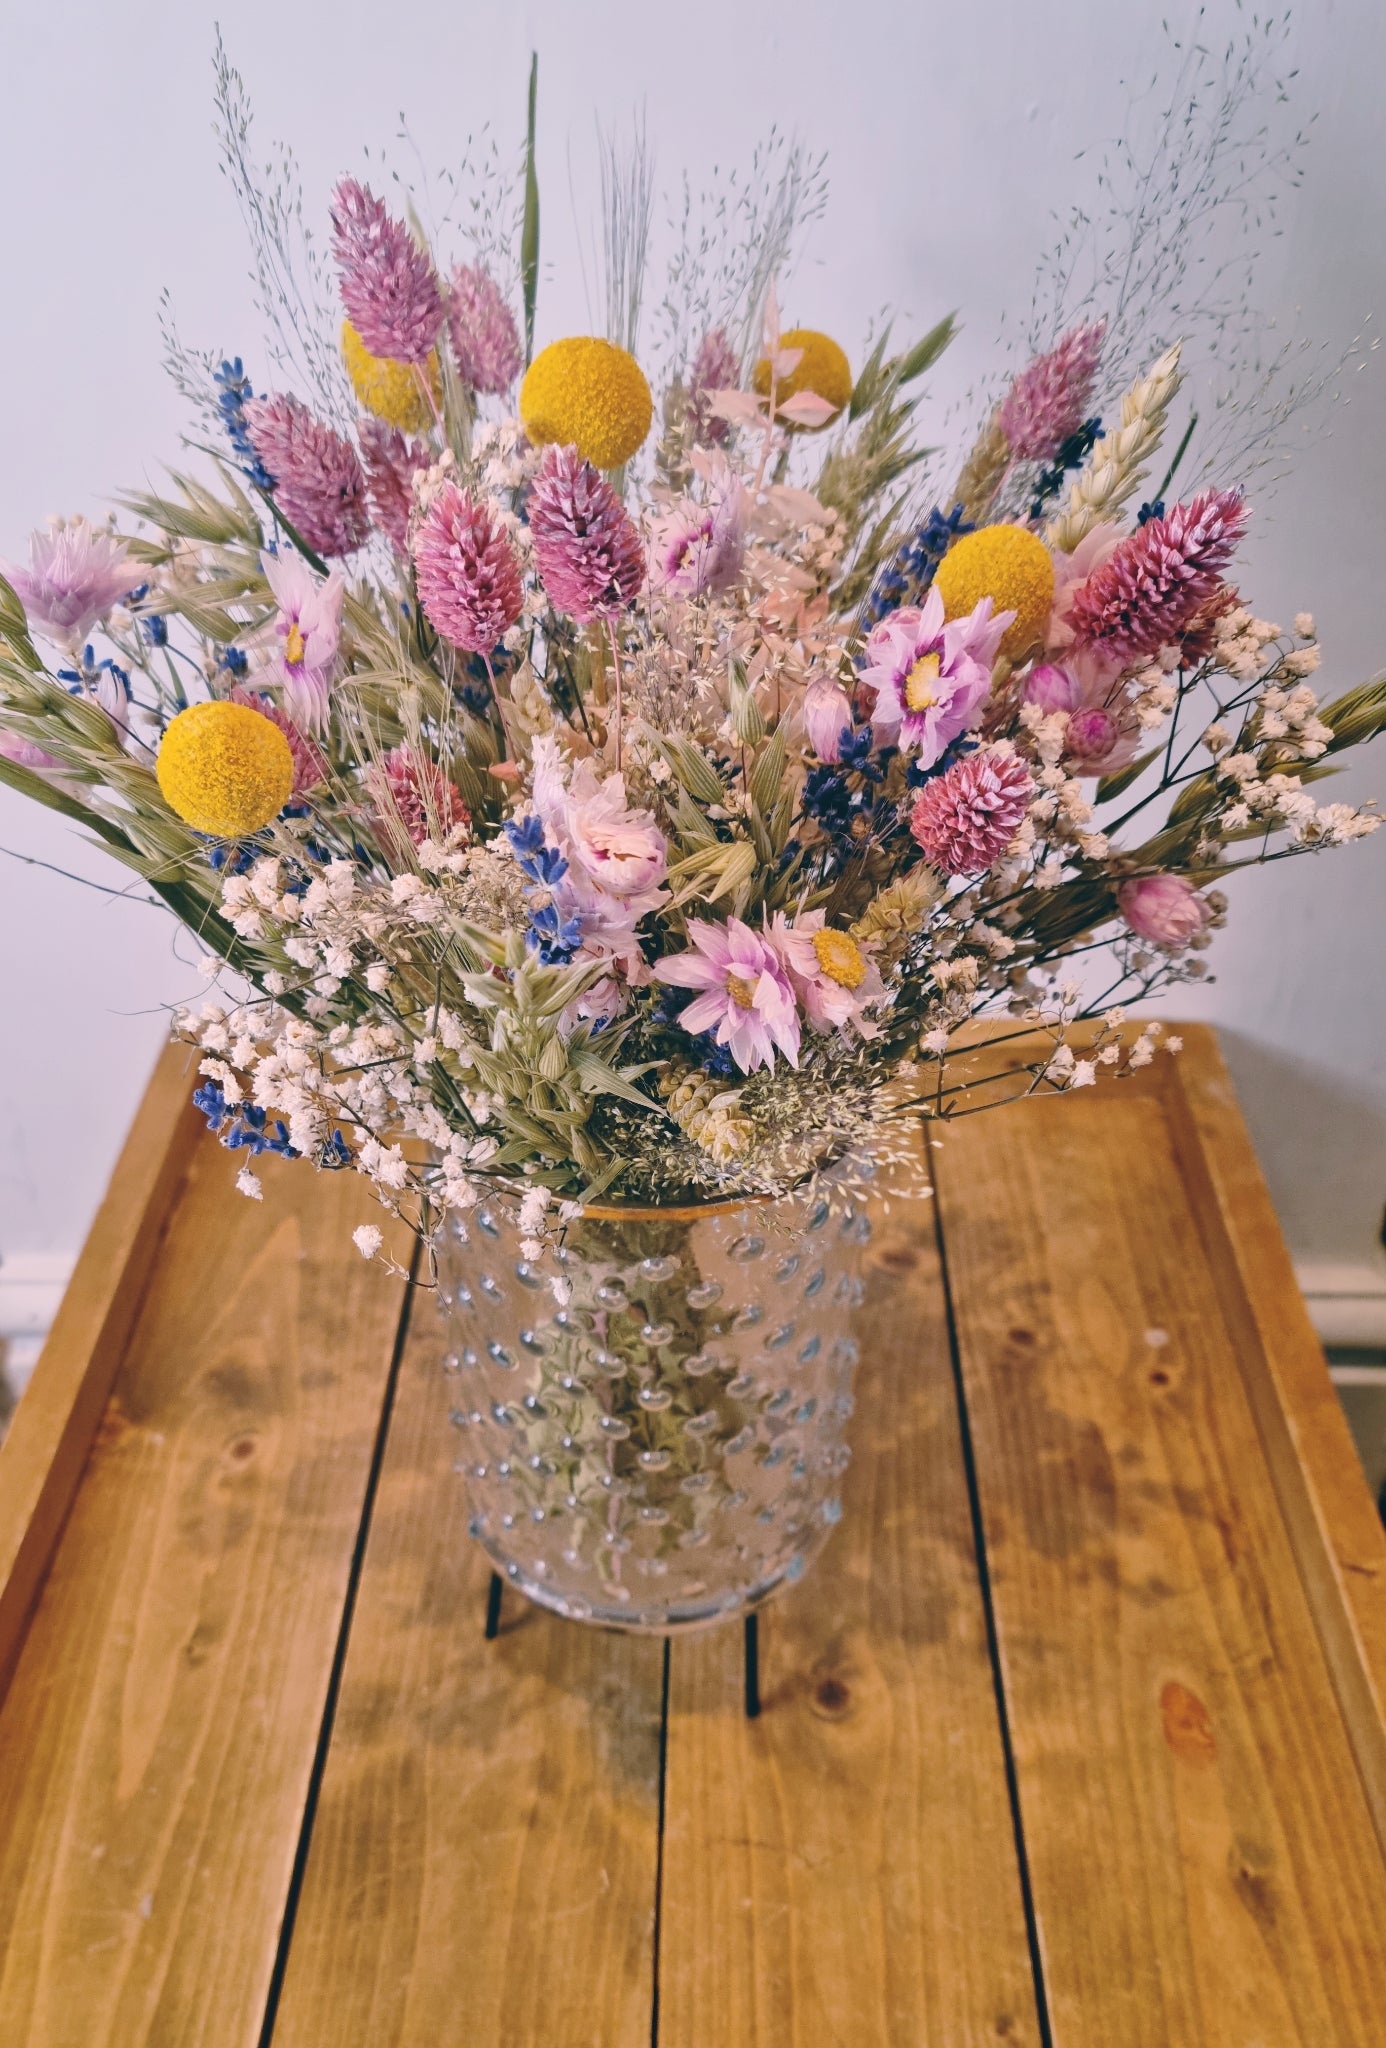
x=751, y=1643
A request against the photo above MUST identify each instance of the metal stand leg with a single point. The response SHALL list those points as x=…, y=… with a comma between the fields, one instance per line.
x=493, y=1601
x=752, y=1666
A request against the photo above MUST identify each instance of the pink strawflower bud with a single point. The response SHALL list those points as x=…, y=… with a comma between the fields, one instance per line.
x=715, y=368
x=387, y=283
x=587, y=550
x=1052, y=688
x=1048, y=401
x=485, y=339
x=1159, y=578
x=411, y=793
x=310, y=765
x=467, y=574
x=1092, y=734
x=319, y=484
x=965, y=819
x=1166, y=909
x=392, y=463
x=827, y=718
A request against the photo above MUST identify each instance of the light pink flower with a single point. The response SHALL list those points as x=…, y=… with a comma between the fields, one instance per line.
x=1052, y=688
x=1159, y=578
x=622, y=853
x=1166, y=909
x=25, y=754
x=310, y=765
x=931, y=678
x=1071, y=572
x=468, y=577
x=834, y=978
x=587, y=551
x=391, y=464
x=1048, y=401
x=409, y=791
x=307, y=633
x=745, y=996
x=319, y=484
x=698, y=549
x=965, y=819
x=387, y=283
x=827, y=718
x=76, y=573
x=485, y=339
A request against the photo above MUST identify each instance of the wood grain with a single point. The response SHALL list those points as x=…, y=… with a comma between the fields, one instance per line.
x=158, y=1736
x=1204, y=1863
x=843, y=1870
x=46, y=1446
x=483, y=1861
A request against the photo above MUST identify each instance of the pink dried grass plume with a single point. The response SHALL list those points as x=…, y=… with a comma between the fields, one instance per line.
x=409, y=792
x=310, y=764
x=715, y=368
x=319, y=484
x=1159, y=579
x=1049, y=400
x=485, y=339
x=587, y=550
x=964, y=819
x=391, y=465
x=467, y=574
x=387, y=283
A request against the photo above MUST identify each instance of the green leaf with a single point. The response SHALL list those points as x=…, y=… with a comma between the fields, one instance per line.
x=529, y=235
x=695, y=772
x=767, y=776
x=926, y=353
x=1112, y=785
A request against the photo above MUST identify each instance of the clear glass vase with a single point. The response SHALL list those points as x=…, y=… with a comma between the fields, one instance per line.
x=652, y=1408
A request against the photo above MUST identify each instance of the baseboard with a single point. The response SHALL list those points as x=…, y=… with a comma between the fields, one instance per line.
x=31, y=1286
x=1347, y=1303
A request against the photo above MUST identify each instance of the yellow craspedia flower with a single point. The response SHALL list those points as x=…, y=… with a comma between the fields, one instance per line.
x=391, y=391
x=1012, y=567
x=822, y=368
x=225, y=769
x=590, y=393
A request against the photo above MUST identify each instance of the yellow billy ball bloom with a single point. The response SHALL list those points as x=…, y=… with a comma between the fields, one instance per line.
x=391, y=391
x=225, y=769
x=822, y=367
x=1012, y=567
x=591, y=394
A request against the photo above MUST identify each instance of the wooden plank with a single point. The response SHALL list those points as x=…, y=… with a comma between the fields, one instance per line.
x=158, y=1737
x=43, y=1453
x=483, y=1862
x=1332, y=1520
x=843, y=1869
x=1203, y=1859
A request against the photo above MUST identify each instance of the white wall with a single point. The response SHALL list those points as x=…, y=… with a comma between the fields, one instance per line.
x=952, y=133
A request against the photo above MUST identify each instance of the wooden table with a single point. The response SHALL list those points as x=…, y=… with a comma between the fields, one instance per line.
x=1074, y=1736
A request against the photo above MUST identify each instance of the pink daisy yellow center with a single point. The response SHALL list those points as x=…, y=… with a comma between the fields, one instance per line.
x=919, y=683
x=741, y=991
x=839, y=955
x=294, y=647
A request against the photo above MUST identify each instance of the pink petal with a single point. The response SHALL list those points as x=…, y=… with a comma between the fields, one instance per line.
x=807, y=409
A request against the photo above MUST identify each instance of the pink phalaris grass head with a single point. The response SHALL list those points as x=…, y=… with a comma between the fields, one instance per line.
x=965, y=818
x=310, y=764
x=1166, y=909
x=714, y=368
x=388, y=285
x=468, y=577
x=587, y=550
x=1049, y=400
x=410, y=793
x=391, y=465
x=1159, y=579
x=76, y=573
x=319, y=484
x=485, y=339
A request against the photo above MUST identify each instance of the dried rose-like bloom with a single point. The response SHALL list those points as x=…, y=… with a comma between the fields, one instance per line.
x=391, y=463
x=1048, y=401
x=388, y=285
x=468, y=577
x=410, y=792
x=1160, y=578
x=319, y=484
x=1053, y=688
x=714, y=368
x=76, y=573
x=965, y=818
x=827, y=718
x=310, y=765
x=485, y=339
x=1166, y=909
x=587, y=550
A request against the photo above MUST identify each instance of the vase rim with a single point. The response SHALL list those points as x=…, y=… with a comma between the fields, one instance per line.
x=667, y=1212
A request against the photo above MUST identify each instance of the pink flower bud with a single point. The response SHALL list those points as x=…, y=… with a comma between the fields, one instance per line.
x=1052, y=688
x=1092, y=734
x=828, y=717
x=1166, y=909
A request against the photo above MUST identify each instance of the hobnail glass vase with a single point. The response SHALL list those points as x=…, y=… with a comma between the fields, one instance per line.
x=651, y=1409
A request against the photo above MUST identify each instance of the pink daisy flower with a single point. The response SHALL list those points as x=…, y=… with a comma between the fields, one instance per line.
x=587, y=551
x=485, y=339
x=388, y=285
x=745, y=995
x=319, y=484
x=468, y=577
x=76, y=574
x=965, y=819
x=931, y=677
x=833, y=977
x=697, y=550
x=307, y=633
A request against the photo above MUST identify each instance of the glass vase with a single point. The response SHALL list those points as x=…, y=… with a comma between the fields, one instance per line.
x=652, y=1407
